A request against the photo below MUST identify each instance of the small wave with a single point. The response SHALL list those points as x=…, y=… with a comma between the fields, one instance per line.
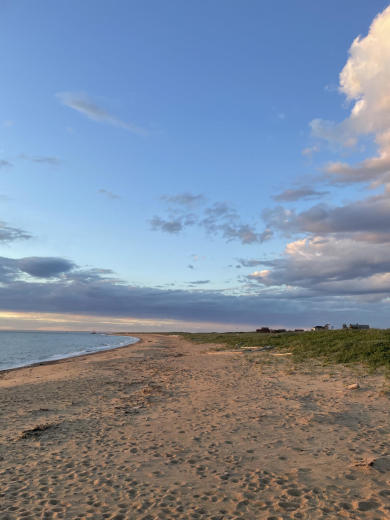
x=130, y=340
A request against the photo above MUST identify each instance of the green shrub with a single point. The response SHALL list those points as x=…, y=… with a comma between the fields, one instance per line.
x=370, y=347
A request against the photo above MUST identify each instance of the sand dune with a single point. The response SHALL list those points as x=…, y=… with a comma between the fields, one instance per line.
x=162, y=430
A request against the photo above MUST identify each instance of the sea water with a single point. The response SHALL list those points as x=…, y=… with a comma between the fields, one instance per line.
x=22, y=348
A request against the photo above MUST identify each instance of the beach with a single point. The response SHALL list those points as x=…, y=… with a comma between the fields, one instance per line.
x=167, y=428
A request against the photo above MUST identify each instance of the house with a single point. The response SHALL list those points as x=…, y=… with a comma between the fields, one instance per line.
x=321, y=327
x=358, y=326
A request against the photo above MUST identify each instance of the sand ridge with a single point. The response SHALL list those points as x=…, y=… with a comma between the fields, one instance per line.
x=162, y=430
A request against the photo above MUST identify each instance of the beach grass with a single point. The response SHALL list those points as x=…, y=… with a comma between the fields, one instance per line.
x=369, y=347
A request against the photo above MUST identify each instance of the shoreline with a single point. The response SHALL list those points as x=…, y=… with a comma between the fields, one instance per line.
x=70, y=356
x=169, y=429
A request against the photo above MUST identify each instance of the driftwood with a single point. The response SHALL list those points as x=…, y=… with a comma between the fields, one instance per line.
x=37, y=430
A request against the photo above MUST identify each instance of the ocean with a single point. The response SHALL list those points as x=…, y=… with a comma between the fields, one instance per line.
x=22, y=348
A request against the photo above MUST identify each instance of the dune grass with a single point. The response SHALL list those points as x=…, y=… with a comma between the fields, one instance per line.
x=370, y=347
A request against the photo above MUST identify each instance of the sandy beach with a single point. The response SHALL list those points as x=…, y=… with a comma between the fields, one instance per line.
x=168, y=429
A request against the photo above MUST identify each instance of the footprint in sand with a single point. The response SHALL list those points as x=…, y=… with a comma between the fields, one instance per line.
x=367, y=505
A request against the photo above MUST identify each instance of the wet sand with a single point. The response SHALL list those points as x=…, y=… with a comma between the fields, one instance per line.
x=168, y=429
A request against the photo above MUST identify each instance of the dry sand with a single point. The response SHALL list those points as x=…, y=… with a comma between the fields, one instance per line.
x=163, y=429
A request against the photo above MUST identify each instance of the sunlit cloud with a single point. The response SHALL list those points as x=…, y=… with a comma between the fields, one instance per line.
x=365, y=81
x=75, y=322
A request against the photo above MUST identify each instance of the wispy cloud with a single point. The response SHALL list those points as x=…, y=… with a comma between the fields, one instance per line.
x=217, y=219
x=310, y=150
x=170, y=225
x=222, y=219
x=41, y=159
x=10, y=234
x=305, y=192
x=85, y=106
x=249, y=262
x=108, y=194
x=185, y=199
x=5, y=164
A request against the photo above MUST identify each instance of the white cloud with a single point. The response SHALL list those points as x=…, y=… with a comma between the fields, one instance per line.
x=365, y=80
x=343, y=250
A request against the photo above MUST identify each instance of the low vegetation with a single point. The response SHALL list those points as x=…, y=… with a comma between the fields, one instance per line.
x=370, y=347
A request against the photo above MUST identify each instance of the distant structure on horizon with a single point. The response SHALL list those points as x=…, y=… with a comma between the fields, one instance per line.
x=321, y=327
x=355, y=326
x=327, y=326
x=267, y=330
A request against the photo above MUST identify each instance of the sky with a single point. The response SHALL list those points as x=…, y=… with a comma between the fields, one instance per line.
x=216, y=165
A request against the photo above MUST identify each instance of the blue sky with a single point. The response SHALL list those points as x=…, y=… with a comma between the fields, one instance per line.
x=191, y=155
